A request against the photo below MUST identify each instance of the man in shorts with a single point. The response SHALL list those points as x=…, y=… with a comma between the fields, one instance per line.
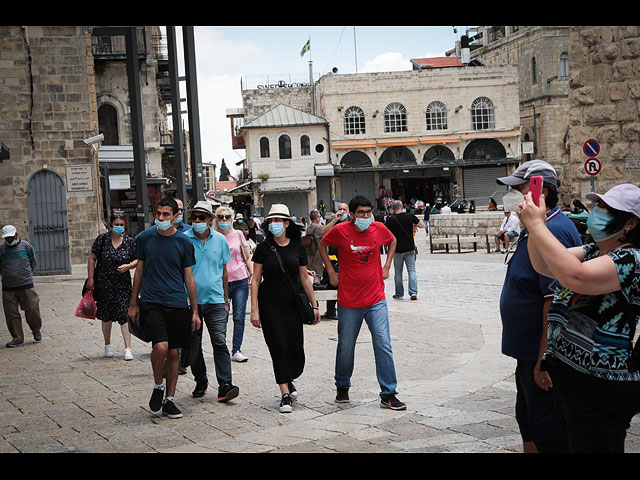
x=165, y=260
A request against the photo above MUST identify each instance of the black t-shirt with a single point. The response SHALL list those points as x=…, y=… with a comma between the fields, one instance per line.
x=401, y=225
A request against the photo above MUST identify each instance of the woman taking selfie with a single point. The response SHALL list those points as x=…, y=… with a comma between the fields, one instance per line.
x=592, y=319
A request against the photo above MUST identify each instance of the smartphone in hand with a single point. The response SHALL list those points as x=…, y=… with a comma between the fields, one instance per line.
x=535, y=187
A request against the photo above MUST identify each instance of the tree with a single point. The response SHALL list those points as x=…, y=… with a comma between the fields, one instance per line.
x=224, y=172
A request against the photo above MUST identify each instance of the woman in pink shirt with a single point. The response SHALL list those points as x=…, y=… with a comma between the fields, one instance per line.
x=239, y=272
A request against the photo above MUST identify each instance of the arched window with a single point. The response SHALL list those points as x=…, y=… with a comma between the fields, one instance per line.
x=564, y=65
x=284, y=144
x=436, y=116
x=108, y=124
x=305, y=146
x=264, y=147
x=354, y=121
x=395, y=118
x=482, y=117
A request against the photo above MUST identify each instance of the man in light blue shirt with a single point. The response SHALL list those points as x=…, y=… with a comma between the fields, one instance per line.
x=210, y=272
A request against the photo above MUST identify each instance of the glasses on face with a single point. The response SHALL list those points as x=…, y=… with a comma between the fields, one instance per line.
x=363, y=213
x=202, y=218
x=224, y=217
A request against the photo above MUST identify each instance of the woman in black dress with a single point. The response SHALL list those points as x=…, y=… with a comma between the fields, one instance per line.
x=273, y=306
x=112, y=255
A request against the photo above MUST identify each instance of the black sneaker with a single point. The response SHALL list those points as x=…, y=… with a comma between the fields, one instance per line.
x=292, y=391
x=201, y=389
x=13, y=343
x=155, y=404
x=286, y=405
x=170, y=410
x=343, y=395
x=227, y=392
x=390, y=401
x=37, y=336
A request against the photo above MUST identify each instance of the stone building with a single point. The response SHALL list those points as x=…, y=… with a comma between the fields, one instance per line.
x=422, y=134
x=542, y=55
x=55, y=94
x=50, y=185
x=604, y=94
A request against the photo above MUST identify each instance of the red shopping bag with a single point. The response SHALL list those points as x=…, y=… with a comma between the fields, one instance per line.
x=87, y=307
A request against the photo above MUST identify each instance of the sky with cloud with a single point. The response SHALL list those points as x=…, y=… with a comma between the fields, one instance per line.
x=225, y=56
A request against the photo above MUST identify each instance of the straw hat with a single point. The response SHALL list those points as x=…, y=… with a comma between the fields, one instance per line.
x=279, y=210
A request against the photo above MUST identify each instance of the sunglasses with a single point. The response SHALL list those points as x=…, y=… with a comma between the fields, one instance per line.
x=203, y=218
x=224, y=217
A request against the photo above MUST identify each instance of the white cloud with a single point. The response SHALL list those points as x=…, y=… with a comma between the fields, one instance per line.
x=387, y=62
x=217, y=53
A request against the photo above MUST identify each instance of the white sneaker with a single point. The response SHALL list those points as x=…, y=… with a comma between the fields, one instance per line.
x=108, y=351
x=239, y=357
x=127, y=354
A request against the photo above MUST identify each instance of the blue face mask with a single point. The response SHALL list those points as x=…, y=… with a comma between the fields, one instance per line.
x=224, y=225
x=14, y=243
x=118, y=230
x=363, y=223
x=344, y=217
x=276, y=228
x=199, y=227
x=178, y=220
x=598, y=220
x=165, y=225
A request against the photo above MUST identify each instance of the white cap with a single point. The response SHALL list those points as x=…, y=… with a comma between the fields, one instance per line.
x=8, y=231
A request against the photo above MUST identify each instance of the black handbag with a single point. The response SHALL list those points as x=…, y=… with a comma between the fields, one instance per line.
x=305, y=309
x=189, y=353
x=137, y=328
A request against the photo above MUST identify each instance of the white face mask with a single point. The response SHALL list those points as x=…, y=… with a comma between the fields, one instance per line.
x=512, y=199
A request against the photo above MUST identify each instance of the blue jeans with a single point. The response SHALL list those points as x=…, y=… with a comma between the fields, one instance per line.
x=214, y=315
x=238, y=293
x=349, y=323
x=399, y=259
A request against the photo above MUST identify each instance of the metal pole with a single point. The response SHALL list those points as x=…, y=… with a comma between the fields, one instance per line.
x=197, y=188
x=137, y=135
x=176, y=114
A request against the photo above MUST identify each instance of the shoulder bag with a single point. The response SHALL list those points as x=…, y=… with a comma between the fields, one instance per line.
x=305, y=309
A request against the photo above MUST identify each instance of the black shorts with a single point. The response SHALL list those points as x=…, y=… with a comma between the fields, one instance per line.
x=166, y=324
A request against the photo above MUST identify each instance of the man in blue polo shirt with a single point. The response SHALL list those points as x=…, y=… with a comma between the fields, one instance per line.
x=210, y=271
x=526, y=296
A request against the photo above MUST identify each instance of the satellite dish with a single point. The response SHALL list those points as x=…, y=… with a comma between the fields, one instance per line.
x=334, y=70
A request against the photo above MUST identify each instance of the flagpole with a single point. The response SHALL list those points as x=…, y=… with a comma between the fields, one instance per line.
x=355, y=52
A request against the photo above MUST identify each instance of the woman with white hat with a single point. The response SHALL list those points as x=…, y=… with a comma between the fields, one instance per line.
x=239, y=271
x=587, y=353
x=273, y=305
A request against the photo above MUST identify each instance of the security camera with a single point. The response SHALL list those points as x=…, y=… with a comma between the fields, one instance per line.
x=92, y=140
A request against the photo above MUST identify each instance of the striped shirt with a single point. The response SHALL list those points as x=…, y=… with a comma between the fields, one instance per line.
x=17, y=265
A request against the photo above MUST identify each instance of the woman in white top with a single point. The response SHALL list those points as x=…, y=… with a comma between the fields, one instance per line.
x=239, y=272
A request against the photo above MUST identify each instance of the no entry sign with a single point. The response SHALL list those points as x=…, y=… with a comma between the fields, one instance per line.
x=592, y=166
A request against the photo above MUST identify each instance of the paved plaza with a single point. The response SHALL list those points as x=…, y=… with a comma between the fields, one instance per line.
x=62, y=395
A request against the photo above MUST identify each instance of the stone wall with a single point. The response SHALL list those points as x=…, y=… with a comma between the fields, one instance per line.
x=483, y=223
x=604, y=94
x=48, y=107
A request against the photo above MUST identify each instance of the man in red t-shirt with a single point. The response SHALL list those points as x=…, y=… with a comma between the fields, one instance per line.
x=361, y=296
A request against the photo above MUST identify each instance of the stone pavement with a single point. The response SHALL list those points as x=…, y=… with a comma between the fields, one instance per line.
x=62, y=395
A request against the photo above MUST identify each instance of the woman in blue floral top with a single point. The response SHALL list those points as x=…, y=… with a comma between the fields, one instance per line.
x=588, y=341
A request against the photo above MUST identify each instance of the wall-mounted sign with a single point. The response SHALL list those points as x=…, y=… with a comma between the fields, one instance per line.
x=79, y=178
x=120, y=182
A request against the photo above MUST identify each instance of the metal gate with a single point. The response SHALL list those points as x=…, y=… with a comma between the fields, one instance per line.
x=48, y=223
x=479, y=184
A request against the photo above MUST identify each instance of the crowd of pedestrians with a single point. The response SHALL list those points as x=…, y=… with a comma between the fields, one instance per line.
x=569, y=311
